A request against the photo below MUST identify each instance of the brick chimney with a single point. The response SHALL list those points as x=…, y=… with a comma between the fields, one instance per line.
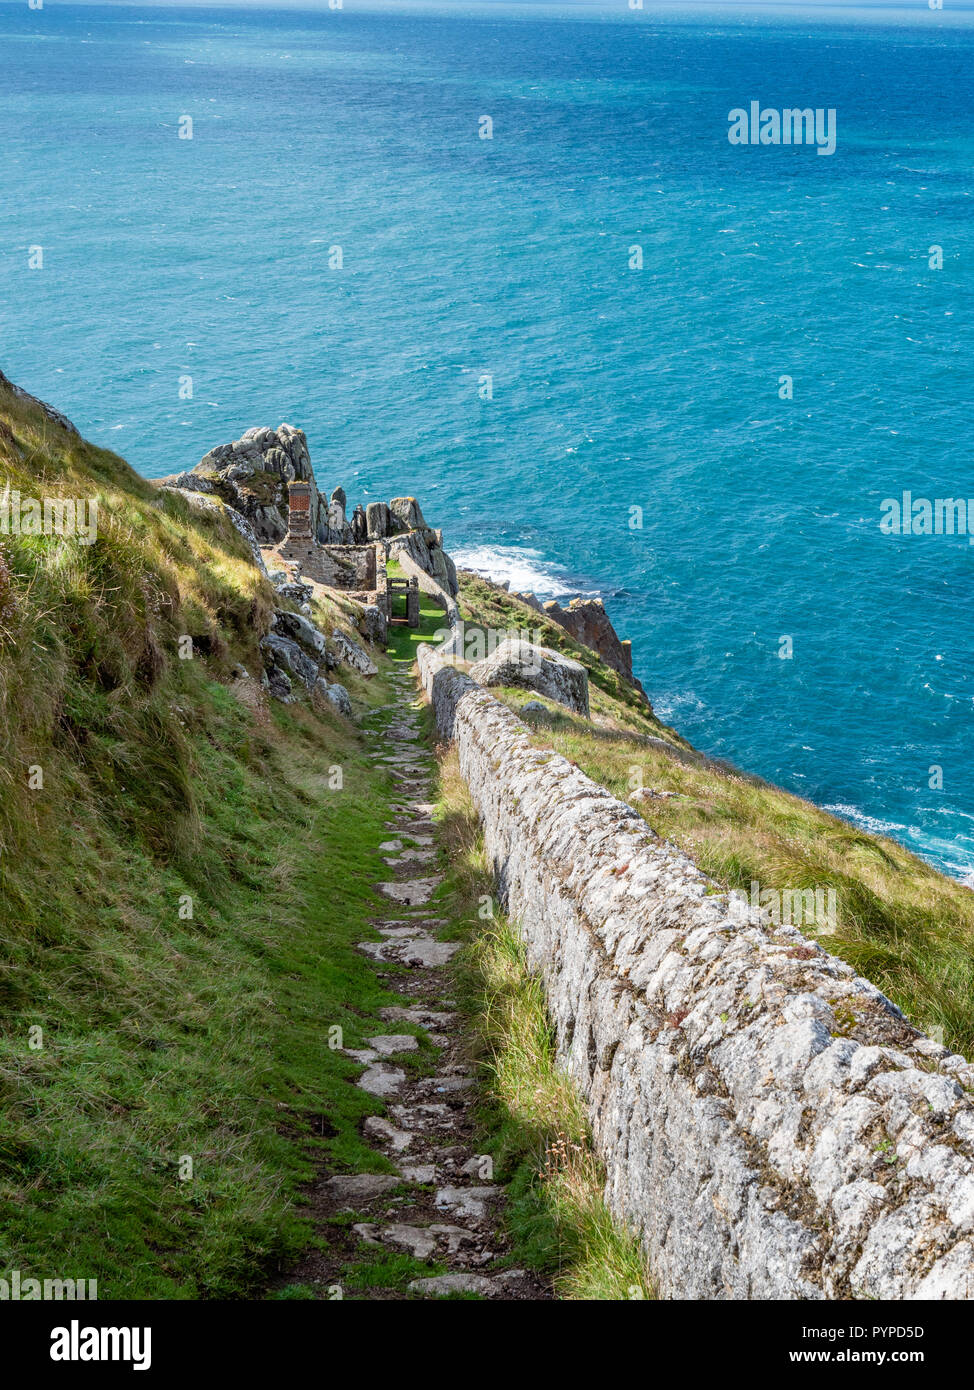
x=299, y=509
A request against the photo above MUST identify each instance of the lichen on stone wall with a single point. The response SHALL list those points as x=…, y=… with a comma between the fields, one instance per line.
x=771, y=1124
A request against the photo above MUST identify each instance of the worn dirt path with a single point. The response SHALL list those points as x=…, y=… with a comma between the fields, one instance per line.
x=441, y=1209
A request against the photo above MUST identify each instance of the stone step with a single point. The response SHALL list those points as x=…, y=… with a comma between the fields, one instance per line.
x=413, y=892
x=422, y=1242
x=380, y=1079
x=388, y=1044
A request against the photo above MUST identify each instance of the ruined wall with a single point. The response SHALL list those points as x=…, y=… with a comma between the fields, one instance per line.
x=350, y=567
x=770, y=1124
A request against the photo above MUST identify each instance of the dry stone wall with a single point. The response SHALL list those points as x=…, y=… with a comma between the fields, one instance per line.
x=770, y=1123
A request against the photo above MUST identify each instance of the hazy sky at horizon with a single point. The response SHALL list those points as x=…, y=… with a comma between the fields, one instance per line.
x=649, y=5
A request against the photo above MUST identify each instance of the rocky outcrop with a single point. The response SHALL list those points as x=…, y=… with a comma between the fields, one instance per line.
x=374, y=626
x=299, y=629
x=529, y=667
x=252, y=476
x=296, y=655
x=425, y=548
x=378, y=521
x=587, y=621
x=55, y=416
x=286, y=655
x=770, y=1123
x=336, y=695
x=406, y=514
x=352, y=654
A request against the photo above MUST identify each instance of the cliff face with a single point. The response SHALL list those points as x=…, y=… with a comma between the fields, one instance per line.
x=588, y=622
x=255, y=477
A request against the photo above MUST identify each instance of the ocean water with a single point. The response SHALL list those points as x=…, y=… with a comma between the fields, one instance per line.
x=613, y=388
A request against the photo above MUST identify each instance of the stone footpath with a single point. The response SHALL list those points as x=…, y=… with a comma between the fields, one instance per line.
x=449, y=1215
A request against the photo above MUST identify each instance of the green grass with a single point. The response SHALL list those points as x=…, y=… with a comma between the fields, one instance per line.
x=906, y=927
x=383, y=1269
x=180, y=904
x=403, y=641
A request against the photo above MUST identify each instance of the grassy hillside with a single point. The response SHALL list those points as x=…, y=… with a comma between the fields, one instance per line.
x=899, y=922
x=181, y=885
x=185, y=869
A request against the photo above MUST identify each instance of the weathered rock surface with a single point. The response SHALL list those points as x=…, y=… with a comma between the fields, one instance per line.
x=587, y=621
x=424, y=547
x=769, y=1121
x=299, y=629
x=285, y=654
x=352, y=654
x=373, y=626
x=337, y=695
x=252, y=474
x=529, y=667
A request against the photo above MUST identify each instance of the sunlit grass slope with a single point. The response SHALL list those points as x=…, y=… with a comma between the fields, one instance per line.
x=182, y=883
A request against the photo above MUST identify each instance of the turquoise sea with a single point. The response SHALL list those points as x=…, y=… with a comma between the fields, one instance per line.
x=613, y=387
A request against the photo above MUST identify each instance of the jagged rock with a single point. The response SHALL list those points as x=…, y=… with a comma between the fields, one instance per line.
x=252, y=475
x=588, y=622
x=299, y=629
x=336, y=695
x=296, y=590
x=424, y=548
x=339, y=530
x=353, y=655
x=528, y=667
x=530, y=600
x=406, y=512
x=283, y=653
x=339, y=496
x=360, y=526
x=378, y=520
x=373, y=626
x=361, y=1187
x=534, y=707
x=279, y=685
x=444, y=570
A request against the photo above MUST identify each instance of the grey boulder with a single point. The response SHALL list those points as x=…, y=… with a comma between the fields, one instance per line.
x=299, y=629
x=528, y=667
x=352, y=654
x=284, y=654
x=336, y=695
